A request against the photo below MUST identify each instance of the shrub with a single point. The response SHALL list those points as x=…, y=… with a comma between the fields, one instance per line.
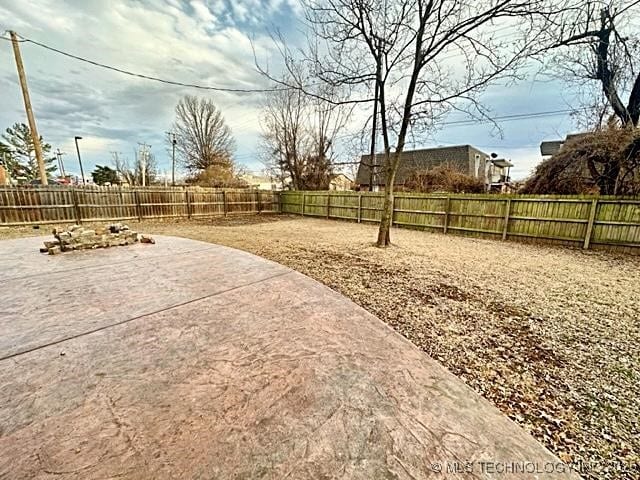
x=444, y=178
x=605, y=161
x=218, y=176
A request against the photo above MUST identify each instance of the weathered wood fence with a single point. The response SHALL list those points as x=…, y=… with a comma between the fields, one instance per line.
x=603, y=222
x=57, y=204
x=600, y=222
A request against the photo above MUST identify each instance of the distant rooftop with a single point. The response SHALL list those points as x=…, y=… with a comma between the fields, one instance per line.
x=552, y=147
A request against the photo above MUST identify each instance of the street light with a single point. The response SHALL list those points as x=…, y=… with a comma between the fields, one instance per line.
x=84, y=182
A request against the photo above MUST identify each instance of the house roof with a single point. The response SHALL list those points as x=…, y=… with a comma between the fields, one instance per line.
x=573, y=136
x=251, y=178
x=501, y=162
x=553, y=146
x=338, y=175
x=413, y=160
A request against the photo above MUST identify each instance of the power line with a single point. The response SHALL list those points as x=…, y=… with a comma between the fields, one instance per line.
x=148, y=77
x=517, y=116
x=182, y=84
x=501, y=118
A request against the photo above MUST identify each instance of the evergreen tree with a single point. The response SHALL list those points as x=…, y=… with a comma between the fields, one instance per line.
x=104, y=174
x=8, y=160
x=23, y=162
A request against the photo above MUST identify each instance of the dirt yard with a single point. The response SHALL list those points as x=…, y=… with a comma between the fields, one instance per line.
x=551, y=336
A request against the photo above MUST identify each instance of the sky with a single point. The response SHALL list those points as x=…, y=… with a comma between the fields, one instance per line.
x=206, y=43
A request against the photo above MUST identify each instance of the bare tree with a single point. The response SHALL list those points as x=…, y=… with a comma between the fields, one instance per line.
x=596, y=46
x=132, y=173
x=417, y=59
x=299, y=135
x=203, y=138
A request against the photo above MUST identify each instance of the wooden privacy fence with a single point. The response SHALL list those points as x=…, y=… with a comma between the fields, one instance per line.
x=607, y=222
x=56, y=204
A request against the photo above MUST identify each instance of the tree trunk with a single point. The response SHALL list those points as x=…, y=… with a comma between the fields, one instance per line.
x=384, y=238
x=611, y=174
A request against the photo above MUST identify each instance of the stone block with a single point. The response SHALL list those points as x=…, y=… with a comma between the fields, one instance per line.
x=77, y=237
x=146, y=239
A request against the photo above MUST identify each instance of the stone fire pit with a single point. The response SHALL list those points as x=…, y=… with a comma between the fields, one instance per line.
x=76, y=237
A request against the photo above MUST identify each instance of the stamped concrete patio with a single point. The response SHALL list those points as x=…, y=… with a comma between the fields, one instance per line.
x=190, y=360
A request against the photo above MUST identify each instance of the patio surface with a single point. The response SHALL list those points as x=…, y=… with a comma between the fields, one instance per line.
x=190, y=360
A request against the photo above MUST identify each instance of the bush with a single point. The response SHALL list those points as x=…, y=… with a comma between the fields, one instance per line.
x=220, y=176
x=603, y=162
x=443, y=178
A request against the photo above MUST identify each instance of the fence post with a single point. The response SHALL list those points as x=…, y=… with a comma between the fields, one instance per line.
x=359, y=207
x=304, y=199
x=224, y=202
x=76, y=205
x=592, y=218
x=505, y=228
x=136, y=195
x=447, y=205
x=328, y=203
x=258, y=206
x=188, y=195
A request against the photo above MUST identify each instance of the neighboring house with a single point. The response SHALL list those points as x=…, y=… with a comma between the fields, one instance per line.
x=552, y=147
x=498, y=178
x=262, y=182
x=465, y=158
x=340, y=182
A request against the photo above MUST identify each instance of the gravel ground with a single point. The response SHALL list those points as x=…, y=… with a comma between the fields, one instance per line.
x=549, y=335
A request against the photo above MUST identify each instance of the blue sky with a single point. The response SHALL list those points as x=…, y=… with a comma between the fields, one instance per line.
x=199, y=42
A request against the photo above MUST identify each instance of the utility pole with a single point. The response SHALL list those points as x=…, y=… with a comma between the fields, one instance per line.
x=59, y=154
x=58, y=159
x=84, y=182
x=144, y=155
x=172, y=137
x=27, y=106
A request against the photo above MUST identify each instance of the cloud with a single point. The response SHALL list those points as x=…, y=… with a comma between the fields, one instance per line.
x=192, y=42
x=202, y=12
x=208, y=42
